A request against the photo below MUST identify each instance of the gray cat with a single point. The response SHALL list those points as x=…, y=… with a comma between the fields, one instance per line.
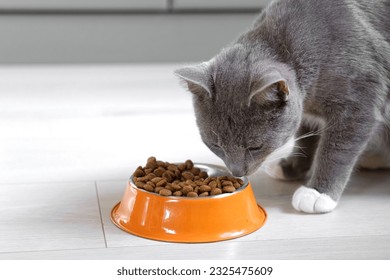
x=311, y=77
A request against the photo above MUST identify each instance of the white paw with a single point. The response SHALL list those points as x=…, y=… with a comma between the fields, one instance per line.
x=274, y=170
x=311, y=201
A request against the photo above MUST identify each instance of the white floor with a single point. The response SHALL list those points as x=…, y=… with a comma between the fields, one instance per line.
x=70, y=137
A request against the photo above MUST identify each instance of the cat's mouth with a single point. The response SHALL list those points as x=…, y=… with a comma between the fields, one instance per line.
x=240, y=170
x=248, y=168
x=236, y=170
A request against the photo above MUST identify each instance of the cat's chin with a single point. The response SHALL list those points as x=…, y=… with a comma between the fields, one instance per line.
x=245, y=173
x=241, y=174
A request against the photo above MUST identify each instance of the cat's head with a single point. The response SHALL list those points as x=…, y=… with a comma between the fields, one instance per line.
x=246, y=108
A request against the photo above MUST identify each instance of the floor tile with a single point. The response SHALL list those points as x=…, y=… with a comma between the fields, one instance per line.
x=49, y=217
x=336, y=248
x=364, y=209
x=86, y=149
x=110, y=193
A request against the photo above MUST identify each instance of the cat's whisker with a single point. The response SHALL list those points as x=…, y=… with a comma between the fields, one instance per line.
x=250, y=154
x=273, y=159
x=268, y=170
x=216, y=134
x=296, y=147
x=298, y=155
x=309, y=134
x=299, y=148
x=314, y=132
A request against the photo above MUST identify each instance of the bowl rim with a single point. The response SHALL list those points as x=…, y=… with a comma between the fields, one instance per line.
x=199, y=165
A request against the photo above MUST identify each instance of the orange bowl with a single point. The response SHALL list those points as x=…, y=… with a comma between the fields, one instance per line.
x=186, y=219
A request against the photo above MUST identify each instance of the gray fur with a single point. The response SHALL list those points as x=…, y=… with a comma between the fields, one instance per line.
x=334, y=58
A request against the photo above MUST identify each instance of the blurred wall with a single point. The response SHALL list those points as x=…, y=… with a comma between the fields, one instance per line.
x=120, y=31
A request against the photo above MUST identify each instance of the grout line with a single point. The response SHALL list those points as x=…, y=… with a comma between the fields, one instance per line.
x=101, y=216
x=166, y=244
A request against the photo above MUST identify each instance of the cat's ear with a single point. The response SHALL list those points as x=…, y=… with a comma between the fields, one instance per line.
x=198, y=77
x=271, y=87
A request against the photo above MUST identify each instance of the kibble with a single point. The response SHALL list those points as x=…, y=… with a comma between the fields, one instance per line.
x=226, y=183
x=195, y=171
x=187, y=175
x=157, y=189
x=187, y=189
x=139, y=172
x=182, y=166
x=192, y=194
x=156, y=180
x=204, y=188
x=165, y=192
x=215, y=191
x=139, y=184
x=148, y=187
x=228, y=189
x=183, y=179
x=213, y=184
x=159, y=171
x=189, y=164
x=161, y=183
x=203, y=174
x=169, y=187
x=176, y=187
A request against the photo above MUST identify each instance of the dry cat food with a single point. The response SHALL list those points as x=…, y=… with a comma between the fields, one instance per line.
x=182, y=179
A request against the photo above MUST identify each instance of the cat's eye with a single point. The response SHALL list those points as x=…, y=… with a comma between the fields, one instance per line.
x=255, y=150
x=214, y=146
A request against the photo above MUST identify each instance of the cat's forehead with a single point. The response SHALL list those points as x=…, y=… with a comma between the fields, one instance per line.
x=231, y=60
x=231, y=71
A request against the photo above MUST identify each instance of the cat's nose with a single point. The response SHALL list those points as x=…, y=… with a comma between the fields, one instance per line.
x=238, y=173
x=237, y=170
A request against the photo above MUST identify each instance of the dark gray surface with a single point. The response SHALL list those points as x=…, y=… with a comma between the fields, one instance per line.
x=117, y=38
x=83, y=4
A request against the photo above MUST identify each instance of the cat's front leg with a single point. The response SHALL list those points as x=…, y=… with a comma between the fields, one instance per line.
x=297, y=164
x=339, y=148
